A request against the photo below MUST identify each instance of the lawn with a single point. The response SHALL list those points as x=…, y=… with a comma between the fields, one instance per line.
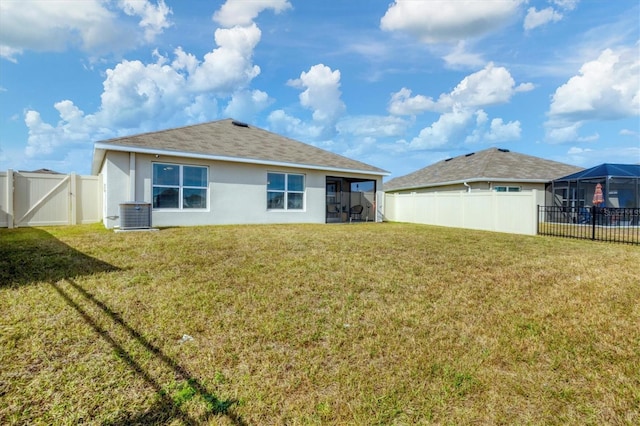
x=316, y=324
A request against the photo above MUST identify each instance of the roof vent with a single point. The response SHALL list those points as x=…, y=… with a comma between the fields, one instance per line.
x=470, y=154
x=239, y=123
x=503, y=150
x=449, y=159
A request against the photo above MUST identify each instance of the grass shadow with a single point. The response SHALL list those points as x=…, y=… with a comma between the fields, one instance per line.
x=30, y=255
x=166, y=408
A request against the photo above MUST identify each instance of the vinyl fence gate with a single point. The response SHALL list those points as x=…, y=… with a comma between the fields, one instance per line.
x=43, y=199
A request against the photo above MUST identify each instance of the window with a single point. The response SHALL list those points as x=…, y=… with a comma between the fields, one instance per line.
x=507, y=189
x=285, y=191
x=179, y=187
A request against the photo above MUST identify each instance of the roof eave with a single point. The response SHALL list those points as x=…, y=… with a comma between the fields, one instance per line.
x=100, y=148
x=462, y=181
x=98, y=159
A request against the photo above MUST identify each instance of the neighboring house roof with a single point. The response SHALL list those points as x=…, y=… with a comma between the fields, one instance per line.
x=493, y=164
x=605, y=170
x=42, y=171
x=229, y=140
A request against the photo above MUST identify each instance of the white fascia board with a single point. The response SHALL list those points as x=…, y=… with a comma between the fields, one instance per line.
x=98, y=158
x=107, y=147
x=474, y=180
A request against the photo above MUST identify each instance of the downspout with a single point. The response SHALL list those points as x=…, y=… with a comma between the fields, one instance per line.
x=132, y=176
x=467, y=185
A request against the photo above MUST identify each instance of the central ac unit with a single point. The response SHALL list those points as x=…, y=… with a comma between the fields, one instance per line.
x=135, y=215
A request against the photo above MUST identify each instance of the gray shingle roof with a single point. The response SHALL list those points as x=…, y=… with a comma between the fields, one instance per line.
x=491, y=164
x=226, y=139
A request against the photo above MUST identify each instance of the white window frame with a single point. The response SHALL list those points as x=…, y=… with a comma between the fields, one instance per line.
x=286, y=191
x=505, y=188
x=181, y=187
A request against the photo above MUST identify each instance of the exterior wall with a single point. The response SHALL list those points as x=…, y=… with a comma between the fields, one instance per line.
x=237, y=192
x=38, y=199
x=512, y=212
x=115, y=178
x=475, y=186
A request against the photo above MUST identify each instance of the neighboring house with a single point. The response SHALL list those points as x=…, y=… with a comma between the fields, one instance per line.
x=227, y=172
x=492, y=169
x=619, y=187
x=494, y=189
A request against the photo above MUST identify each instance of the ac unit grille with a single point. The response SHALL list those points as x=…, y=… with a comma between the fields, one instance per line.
x=135, y=215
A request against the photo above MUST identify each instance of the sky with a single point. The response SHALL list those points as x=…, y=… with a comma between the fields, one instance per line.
x=398, y=85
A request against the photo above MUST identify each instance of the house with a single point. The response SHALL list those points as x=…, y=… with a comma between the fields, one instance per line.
x=228, y=172
x=619, y=187
x=493, y=169
x=493, y=189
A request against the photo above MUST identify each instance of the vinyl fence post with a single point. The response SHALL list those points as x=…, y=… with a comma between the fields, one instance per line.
x=10, y=194
x=73, y=196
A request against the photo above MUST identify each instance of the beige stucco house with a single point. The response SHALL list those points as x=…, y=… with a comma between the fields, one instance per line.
x=493, y=169
x=228, y=172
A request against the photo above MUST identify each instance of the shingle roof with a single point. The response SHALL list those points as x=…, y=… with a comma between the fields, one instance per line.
x=232, y=141
x=605, y=170
x=491, y=164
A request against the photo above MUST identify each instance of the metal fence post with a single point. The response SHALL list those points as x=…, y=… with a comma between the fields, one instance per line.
x=593, y=222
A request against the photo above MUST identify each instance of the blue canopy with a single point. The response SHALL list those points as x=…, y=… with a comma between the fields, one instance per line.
x=604, y=171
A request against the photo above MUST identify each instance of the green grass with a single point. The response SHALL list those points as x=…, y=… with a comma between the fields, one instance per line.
x=316, y=324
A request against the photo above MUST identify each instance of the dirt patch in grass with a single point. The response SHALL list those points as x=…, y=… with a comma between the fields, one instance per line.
x=316, y=324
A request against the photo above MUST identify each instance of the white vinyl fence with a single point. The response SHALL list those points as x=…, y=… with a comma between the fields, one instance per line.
x=512, y=212
x=39, y=199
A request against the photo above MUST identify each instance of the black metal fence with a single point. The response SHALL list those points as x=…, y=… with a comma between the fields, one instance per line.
x=620, y=225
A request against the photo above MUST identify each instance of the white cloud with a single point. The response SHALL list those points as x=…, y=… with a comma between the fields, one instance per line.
x=497, y=130
x=437, y=21
x=245, y=104
x=373, y=126
x=525, y=87
x=629, y=132
x=607, y=88
x=94, y=26
x=460, y=57
x=489, y=86
x=153, y=17
x=172, y=91
x=402, y=103
x=614, y=154
x=492, y=85
x=575, y=150
x=566, y=4
x=286, y=124
x=136, y=93
x=321, y=95
x=9, y=53
x=230, y=66
x=450, y=127
x=137, y=96
x=242, y=12
x=536, y=18
x=501, y=132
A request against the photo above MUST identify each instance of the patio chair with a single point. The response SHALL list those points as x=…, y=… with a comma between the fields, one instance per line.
x=333, y=211
x=355, y=212
x=584, y=215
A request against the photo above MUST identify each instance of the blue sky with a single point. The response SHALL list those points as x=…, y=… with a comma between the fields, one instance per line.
x=397, y=85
